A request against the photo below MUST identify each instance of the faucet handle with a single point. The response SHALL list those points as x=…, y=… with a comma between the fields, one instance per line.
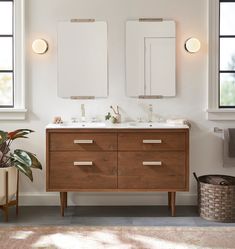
x=74, y=119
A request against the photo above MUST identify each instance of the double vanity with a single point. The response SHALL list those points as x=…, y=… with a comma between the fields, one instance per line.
x=131, y=157
x=124, y=157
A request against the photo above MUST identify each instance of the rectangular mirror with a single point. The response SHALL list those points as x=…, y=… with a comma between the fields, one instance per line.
x=150, y=58
x=82, y=59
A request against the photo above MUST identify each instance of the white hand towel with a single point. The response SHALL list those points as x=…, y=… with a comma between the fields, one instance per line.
x=179, y=121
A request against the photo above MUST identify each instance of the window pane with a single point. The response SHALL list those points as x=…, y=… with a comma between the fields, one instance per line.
x=6, y=89
x=5, y=18
x=6, y=53
x=227, y=18
x=227, y=89
x=227, y=54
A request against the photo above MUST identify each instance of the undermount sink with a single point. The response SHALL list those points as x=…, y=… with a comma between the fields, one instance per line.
x=84, y=125
x=129, y=125
x=149, y=125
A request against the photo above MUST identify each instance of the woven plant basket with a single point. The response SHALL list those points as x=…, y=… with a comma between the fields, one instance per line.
x=216, y=197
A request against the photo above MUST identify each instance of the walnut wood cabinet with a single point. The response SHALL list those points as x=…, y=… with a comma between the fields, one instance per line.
x=118, y=160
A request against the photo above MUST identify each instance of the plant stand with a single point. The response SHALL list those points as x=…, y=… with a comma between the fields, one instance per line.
x=5, y=207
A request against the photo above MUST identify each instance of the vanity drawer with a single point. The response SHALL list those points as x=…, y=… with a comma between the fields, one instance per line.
x=152, y=170
x=83, y=141
x=155, y=141
x=83, y=170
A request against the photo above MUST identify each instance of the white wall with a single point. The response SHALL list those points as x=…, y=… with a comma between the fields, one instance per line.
x=191, y=100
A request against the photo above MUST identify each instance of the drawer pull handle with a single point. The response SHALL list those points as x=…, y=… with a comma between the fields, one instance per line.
x=152, y=163
x=83, y=163
x=152, y=141
x=83, y=141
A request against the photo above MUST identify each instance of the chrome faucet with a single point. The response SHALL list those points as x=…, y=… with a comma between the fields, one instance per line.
x=83, y=112
x=150, y=113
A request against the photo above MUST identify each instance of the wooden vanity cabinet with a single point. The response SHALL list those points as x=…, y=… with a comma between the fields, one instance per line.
x=118, y=160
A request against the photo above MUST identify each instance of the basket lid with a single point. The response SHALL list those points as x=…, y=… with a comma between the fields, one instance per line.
x=217, y=180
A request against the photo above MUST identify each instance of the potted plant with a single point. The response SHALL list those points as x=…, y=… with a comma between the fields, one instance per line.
x=116, y=118
x=11, y=161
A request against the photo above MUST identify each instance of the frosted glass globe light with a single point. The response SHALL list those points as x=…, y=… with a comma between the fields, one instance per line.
x=192, y=45
x=40, y=46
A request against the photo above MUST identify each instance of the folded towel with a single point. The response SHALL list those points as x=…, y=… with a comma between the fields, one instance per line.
x=179, y=121
x=227, y=160
x=231, y=143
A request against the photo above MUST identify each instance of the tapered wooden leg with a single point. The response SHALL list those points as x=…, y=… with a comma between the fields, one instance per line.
x=6, y=206
x=62, y=203
x=66, y=200
x=169, y=199
x=173, y=194
x=17, y=194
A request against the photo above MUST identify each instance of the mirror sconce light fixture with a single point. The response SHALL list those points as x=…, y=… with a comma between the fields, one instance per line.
x=40, y=46
x=192, y=45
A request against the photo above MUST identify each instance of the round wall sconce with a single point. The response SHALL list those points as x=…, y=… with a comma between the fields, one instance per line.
x=40, y=46
x=192, y=45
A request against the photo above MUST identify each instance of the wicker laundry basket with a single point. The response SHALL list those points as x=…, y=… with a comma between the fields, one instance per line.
x=216, y=197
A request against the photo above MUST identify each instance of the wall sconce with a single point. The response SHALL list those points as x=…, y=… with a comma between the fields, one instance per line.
x=192, y=45
x=40, y=46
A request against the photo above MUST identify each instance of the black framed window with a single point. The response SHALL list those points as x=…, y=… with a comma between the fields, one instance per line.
x=227, y=54
x=6, y=53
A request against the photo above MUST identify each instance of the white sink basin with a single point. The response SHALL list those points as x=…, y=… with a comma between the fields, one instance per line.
x=150, y=125
x=84, y=125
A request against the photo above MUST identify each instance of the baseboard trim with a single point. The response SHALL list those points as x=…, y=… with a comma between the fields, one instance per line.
x=105, y=199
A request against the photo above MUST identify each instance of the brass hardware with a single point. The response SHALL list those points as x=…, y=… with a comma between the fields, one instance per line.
x=80, y=141
x=83, y=163
x=150, y=19
x=150, y=96
x=218, y=130
x=159, y=163
x=82, y=20
x=82, y=97
x=152, y=141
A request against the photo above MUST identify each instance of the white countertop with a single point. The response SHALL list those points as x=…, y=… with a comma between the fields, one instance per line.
x=129, y=125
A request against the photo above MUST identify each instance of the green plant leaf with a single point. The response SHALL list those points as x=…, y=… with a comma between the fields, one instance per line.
x=22, y=157
x=23, y=160
x=24, y=169
x=26, y=158
x=3, y=137
x=35, y=163
x=108, y=116
x=20, y=133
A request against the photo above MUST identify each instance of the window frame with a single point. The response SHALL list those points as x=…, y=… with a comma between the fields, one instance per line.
x=12, y=35
x=223, y=71
x=214, y=111
x=18, y=111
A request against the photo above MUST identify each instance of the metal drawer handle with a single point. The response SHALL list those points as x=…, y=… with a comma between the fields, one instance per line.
x=79, y=141
x=152, y=163
x=152, y=141
x=83, y=163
